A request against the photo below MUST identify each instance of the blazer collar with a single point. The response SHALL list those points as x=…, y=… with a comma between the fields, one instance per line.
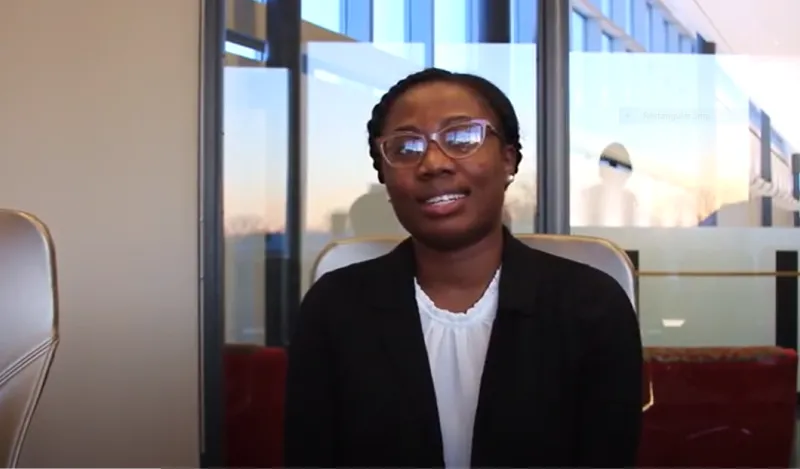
x=394, y=286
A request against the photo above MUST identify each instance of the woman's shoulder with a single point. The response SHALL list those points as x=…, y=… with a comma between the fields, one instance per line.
x=581, y=288
x=355, y=273
x=348, y=282
x=562, y=268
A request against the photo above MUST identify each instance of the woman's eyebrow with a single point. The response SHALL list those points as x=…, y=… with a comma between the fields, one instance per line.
x=406, y=128
x=443, y=123
x=455, y=119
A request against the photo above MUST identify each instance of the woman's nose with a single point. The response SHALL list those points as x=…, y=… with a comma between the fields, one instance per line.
x=435, y=160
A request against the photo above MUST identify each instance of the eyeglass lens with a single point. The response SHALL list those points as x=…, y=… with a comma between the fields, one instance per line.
x=456, y=141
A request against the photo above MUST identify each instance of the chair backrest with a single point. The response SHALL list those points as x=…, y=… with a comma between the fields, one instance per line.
x=28, y=324
x=599, y=253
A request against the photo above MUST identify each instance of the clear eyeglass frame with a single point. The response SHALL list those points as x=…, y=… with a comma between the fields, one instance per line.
x=435, y=137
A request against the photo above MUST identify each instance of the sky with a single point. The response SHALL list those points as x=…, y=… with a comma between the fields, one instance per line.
x=673, y=118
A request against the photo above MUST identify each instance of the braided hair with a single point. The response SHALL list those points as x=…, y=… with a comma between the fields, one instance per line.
x=495, y=98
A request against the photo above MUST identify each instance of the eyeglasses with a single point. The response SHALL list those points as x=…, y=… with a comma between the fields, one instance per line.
x=457, y=141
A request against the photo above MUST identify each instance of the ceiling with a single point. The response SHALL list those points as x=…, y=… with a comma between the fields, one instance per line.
x=751, y=27
x=763, y=36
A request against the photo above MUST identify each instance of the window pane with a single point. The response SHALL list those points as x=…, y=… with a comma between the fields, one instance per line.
x=389, y=21
x=688, y=165
x=254, y=197
x=324, y=13
x=607, y=44
x=629, y=17
x=523, y=21
x=450, y=34
x=605, y=7
x=450, y=21
x=242, y=51
x=577, y=32
x=686, y=45
x=647, y=35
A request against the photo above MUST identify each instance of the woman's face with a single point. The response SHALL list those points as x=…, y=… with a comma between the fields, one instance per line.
x=443, y=201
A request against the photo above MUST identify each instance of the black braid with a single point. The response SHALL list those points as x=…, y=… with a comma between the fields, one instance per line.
x=497, y=100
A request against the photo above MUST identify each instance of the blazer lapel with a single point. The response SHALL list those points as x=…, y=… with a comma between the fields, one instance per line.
x=520, y=281
x=401, y=334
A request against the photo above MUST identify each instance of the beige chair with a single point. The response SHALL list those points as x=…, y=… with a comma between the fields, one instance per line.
x=599, y=253
x=28, y=324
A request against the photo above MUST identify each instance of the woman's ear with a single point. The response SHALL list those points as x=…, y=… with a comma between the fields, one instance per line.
x=509, y=180
x=510, y=159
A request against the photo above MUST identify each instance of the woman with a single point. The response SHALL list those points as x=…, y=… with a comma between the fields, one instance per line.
x=462, y=347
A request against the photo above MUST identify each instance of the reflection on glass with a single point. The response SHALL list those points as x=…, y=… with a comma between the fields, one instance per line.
x=450, y=34
x=577, y=31
x=254, y=188
x=605, y=7
x=608, y=201
x=389, y=26
x=606, y=44
x=628, y=4
x=682, y=157
x=686, y=159
x=324, y=13
x=242, y=51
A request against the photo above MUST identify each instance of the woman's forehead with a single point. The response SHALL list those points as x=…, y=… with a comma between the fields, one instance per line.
x=428, y=105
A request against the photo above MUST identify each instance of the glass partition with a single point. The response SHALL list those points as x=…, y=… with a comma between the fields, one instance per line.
x=684, y=160
x=669, y=160
x=254, y=187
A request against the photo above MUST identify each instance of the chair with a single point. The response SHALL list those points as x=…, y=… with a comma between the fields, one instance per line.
x=28, y=325
x=599, y=253
x=596, y=252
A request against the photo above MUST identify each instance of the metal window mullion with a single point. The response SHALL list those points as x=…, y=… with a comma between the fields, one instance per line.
x=494, y=21
x=552, y=120
x=284, y=39
x=794, y=161
x=211, y=253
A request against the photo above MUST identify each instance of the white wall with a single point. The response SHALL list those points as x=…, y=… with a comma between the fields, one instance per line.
x=98, y=137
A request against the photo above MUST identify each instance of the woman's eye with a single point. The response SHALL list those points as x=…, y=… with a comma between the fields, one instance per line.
x=463, y=137
x=412, y=146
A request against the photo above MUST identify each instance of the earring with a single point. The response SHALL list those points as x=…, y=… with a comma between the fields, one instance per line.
x=510, y=179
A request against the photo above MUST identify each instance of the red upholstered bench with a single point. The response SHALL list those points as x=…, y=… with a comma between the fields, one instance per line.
x=254, y=385
x=714, y=407
x=720, y=407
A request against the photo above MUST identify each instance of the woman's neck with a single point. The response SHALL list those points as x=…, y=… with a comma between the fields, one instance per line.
x=471, y=267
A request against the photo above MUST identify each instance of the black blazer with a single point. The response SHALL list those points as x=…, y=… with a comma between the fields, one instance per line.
x=561, y=387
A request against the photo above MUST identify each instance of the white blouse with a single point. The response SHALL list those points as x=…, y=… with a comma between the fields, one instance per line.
x=457, y=345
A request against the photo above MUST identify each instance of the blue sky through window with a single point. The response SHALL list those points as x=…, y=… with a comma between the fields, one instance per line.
x=577, y=32
x=324, y=13
x=606, y=43
x=389, y=21
x=450, y=34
